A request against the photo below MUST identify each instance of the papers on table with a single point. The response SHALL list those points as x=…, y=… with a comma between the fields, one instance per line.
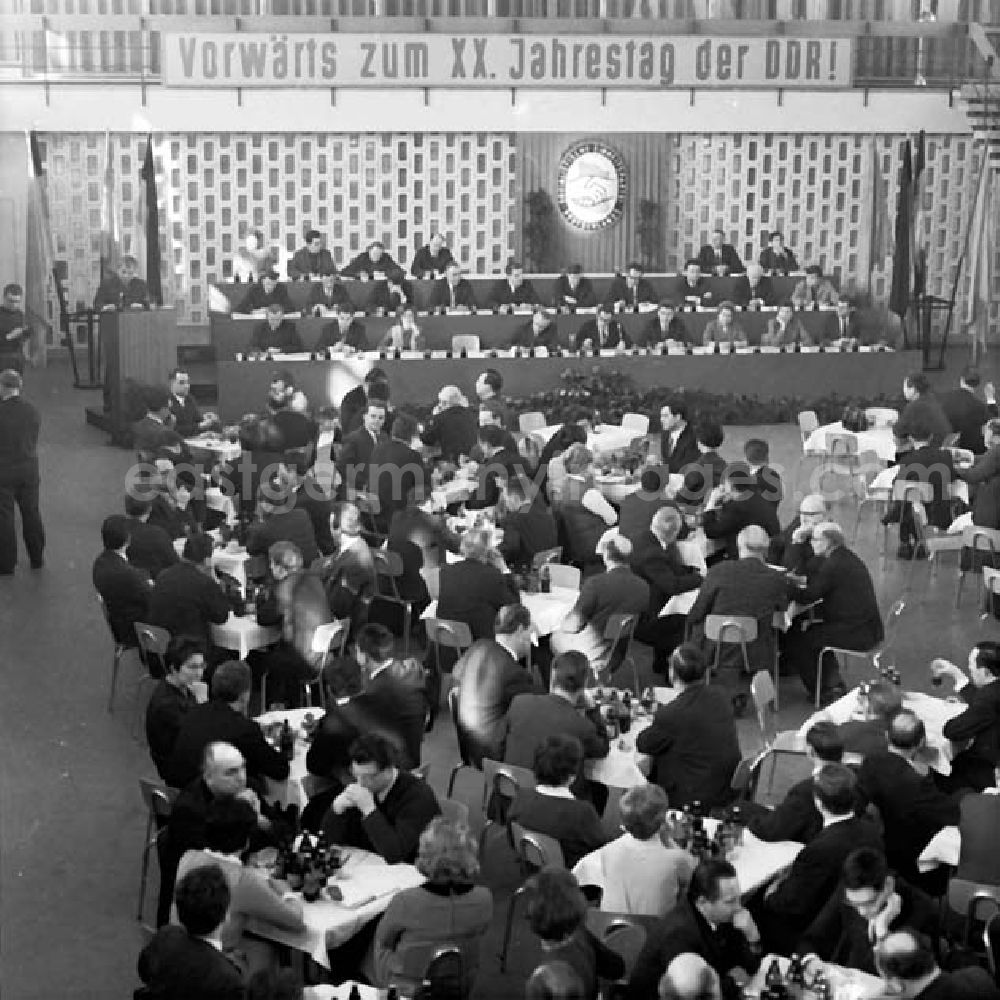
x=679, y=604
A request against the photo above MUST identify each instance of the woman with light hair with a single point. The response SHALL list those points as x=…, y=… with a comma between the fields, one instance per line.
x=583, y=511
x=449, y=906
x=616, y=591
x=643, y=872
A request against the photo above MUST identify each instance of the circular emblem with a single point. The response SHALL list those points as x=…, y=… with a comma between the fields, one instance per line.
x=591, y=185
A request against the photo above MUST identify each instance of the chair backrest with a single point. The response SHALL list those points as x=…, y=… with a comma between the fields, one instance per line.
x=464, y=750
x=764, y=696
x=445, y=632
x=432, y=577
x=637, y=422
x=561, y=575
x=332, y=637
x=454, y=811
x=744, y=780
x=153, y=642
x=911, y=492
x=157, y=798
x=540, y=559
x=730, y=628
x=626, y=940
x=468, y=342
x=984, y=539
x=991, y=580
x=533, y=421
x=504, y=780
x=841, y=445
x=388, y=568
x=992, y=936
x=432, y=969
x=808, y=422
x=536, y=850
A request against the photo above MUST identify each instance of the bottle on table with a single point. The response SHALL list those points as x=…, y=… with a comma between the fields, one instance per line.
x=355, y=993
x=287, y=741
x=624, y=710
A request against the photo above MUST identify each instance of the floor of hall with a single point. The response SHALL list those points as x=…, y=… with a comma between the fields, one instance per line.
x=71, y=817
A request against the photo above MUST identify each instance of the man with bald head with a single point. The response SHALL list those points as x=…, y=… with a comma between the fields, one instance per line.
x=689, y=977
x=907, y=965
x=792, y=546
x=745, y=587
x=453, y=426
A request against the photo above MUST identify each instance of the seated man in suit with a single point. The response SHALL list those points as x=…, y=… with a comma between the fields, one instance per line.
x=967, y=413
x=725, y=329
x=776, y=258
x=276, y=333
x=514, y=290
x=754, y=290
x=373, y=263
x=453, y=426
x=179, y=691
x=795, y=900
x=630, y=290
x=678, y=447
x=453, y=291
x=792, y=547
x=348, y=574
x=540, y=331
x=124, y=589
x=785, y=329
x=527, y=523
x=757, y=452
x=738, y=502
x=328, y=296
x=396, y=467
x=266, y=292
x=814, y=291
x=149, y=547
x=705, y=473
x=432, y=260
x=345, y=333
x=574, y=290
x=383, y=810
x=281, y=521
x=692, y=287
x=153, y=437
x=907, y=965
x=603, y=333
x=124, y=290
x=185, y=960
x=922, y=408
x=743, y=587
x=926, y=463
x=665, y=327
x=499, y=464
x=188, y=419
x=312, y=261
x=796, y=816
x=636, y=510
x=390, y=295
x=719, y=257
x=710, y=922
x=693, y=740
x=843, y=324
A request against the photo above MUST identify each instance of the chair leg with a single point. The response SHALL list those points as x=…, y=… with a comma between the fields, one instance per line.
x=115, y=667
x=509, y=927
x=406, y=631
x=819, y=675
x=147, y=847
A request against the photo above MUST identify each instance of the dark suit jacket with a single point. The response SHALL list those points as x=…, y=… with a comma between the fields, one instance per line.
x=318, y=504
x=284, y=337
x=525, y=337
x=390, y=300
x=363, y=265
x=910, y=805
x=352, y=409
x=682, y=930
x=501, y=294
x=662, y=569
x=620, y=292
x=794, y=818
x=617, y=591
x=972, y=983
x=745, y=587
x=293, y=525
x=934, y=466
x=215, y=721
x=925, y=411
x=683, y=453
x=454, y=431
x=584, y=293
x=764, y=290
x=355, y=457
x=150, y=547
x=426, y=531
x=833, y=328
x=114, y=291
x=653, y=334
x=126, y=592
x=980, y=722
x=695, y=747
x=441, y=295
x=708, y=257
x=305, y=264
x=529, y=531
x=985, y=475
x=727, y=521
x=319, y=298
x=588, y=331
x=784, y=552
x=176, y=964
x=850, y=615
x=492, y=474
x=636, y=511
x=354, y=336
x=154, y=440
x=394, y=469
x=532, y=717
x=815, y=873
x=473, y=592
x=683, y=290
x=425, y=264
x=256, y=298
x=186, y=414
x=573, y=822
x=701, y=477
x=781, y=263
x=967, y=413
x=186, y=601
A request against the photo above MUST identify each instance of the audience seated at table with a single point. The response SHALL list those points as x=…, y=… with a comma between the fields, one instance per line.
x=741, y=500
x=642, y=872
x=124, y=588
x=449, y=906
x=616, y=591
x=343, y=332
x=850, y=616
x=871, y=904
x=154, y=438
x=489, y=389
x=637, y=508
x=710, y=922
x=692, y=740
x=678, y=446
x=526, y=522
x=391, y=296
x=792, y=546
x=149, y=546
x=513, y=290
x=967, y=413
x=718, y=256
x=281, y=522
x=776, y=258
x=489, y=675
x=922, y=408
x=229, y=825
x=268, y=291
x=395, y=468
x=186, y=416
x=692, y=285
x=796, y=816
x=631, y=289
x=306, y=492
x=311, y=261
x=984, y=478
x=574, y=290
x=666, y=326
x=276, y=332
x=754, y=290
x=744, y=587
x=551, y=808
x=557, y=911
x=603, y=333
x=349, y=574
x=392, y=704
x=499, y=464
x=295, y=428
x=814, y=291
x=844, y=324
x=373, y=263
x=172, y=508
x=725, y=329
x=453, y=291
x=703, y=474
x=925, y=463
x=866, y=731
x=907, y=964
x=474, y=589
x=383, y=810
x=453, y=426
x=175, y=694
x=326, y=297
x=433, y=259
x=541, y=330
x=404, y=334
x=910, y=805
x=784, y=329
x=186, y=598
x=418, y=525
x=185, y=961
x=582, y=512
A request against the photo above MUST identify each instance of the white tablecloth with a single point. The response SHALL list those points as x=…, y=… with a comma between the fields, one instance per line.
x=602, y=439
x=341, y=992
x=847, y=984
x=222, y=449
x=290, y=792
x=231, y=561
x=884, y=480
x=679, y=604
x=944, y=848
x=241, y=634
x=877, y=439
x=547, y=610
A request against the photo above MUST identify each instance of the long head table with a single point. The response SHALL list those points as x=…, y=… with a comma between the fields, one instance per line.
x=233, y=335
x=360, y=292
x=243, y=385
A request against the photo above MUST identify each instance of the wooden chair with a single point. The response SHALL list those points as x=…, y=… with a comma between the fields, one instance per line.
x=120, y=650
x=502, y=781
x=465, y=342
x=388, y=569
x=532, y=421
x=159, y=802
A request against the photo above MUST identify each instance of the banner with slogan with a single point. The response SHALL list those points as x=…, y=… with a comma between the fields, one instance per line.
x=460, y=61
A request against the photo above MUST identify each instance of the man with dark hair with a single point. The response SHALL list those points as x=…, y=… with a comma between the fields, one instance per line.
x=268, y=291
x=924, y=463
x=843, y=324
x=527, y=523
x=153, y=438
x=793, y=901
x=275, y=332
x=630, y=290
x=432, y=259
x=910, y=804
x=372, y=264
x=874, y=902
x=490, y=676
x=603, y=332
x=384, y=809
x=173, y=697
x=311, y=261
x=692, y=285
x=124, y=589
x=776, y=258
x=499, y=465
x=184, y=411
x=344, y=331
x=326, y=297
x=188, y=961
x=281, y=521
x=637, y=509
x=574, y=290
x=122, y=290
x=905, y=961
x=359, y=446
x=757, y=453
x=711, y=922
x=693, y=740
x=967, y=413
x=512, y=290
x=453, y=291
x=923, y=407
x=489, y=386
x=15, y=332
x=796, y=816
x=814, y=291
x=149, y=546
x=665, y=326
x=703, y=474
x=678, y=447
x=754, y=290
x=395, y=468
x=541, y=330
x=355, y=402
x=719, y=257
x=979, y=725
x=738, y=503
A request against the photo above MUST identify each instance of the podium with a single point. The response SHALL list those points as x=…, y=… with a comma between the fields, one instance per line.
x=135, y=346
x=930, y=312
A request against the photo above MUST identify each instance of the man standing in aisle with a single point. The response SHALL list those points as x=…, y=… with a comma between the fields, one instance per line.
x=19, y=426
x=15, y=333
